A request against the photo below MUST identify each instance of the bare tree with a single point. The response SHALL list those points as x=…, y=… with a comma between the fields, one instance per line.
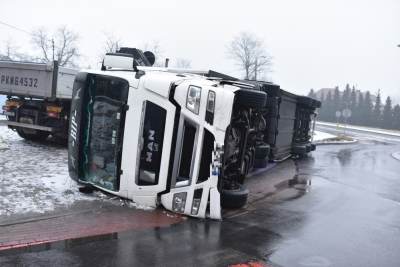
x=11, y=52
x=112, y=44
x=8, y=52
x=183, y=63
x=250, y=54
x=61, y=46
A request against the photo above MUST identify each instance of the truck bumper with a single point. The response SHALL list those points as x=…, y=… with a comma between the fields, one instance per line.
x=13, y=124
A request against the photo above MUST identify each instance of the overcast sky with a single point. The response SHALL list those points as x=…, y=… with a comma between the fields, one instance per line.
x=314, y=43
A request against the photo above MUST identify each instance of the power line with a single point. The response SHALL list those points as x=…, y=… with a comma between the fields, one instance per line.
x=22, y=30
x=15, y=28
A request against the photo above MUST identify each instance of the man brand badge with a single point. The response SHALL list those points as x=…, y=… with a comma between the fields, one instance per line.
x=151, y=146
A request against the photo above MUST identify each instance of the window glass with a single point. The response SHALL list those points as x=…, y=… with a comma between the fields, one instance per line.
x=103, y=134
x=188, y=143
x=151, y=143
x=193, y=99
x=206, y=156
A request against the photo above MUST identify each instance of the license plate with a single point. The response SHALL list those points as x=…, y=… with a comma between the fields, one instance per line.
x=8, y=113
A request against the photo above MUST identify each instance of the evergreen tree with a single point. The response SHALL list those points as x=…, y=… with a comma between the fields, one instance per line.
x=396, y=117
x=345, y=103
x=358, y=116
x=376, y=112
x=336, y=103
x=322, y=109
x=312, y=94
x=387, y=115
x=367, y=109
x=329, y=114
x=353, y=105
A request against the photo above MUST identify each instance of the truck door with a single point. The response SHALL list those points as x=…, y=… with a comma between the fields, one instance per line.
x=150, y=128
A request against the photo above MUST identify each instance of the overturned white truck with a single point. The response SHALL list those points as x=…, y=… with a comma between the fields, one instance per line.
x=185, y=139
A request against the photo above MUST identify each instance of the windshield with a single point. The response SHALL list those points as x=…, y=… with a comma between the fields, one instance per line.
x=104, y=120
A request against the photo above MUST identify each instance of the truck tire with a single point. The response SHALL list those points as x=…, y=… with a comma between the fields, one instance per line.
x=299, y=150
x=251, y=98
x=234, y=198
x=261, y=156
x=38, y=136
x=262, y=151
x=260, y=163
x=31, y=134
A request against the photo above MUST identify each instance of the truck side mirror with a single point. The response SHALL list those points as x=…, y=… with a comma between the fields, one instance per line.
x=150, y=57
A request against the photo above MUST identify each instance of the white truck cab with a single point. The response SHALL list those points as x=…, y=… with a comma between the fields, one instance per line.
x=155, y=135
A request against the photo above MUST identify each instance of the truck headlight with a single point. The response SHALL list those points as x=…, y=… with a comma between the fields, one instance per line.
x=179, y=201
x=195, y=206
x=193, y=99
x=210, y=107
x=211, y=101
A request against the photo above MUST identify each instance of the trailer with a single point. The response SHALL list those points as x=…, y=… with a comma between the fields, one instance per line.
x=38, y=98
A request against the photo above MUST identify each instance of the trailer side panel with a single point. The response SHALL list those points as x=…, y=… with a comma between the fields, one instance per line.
x=26, y=79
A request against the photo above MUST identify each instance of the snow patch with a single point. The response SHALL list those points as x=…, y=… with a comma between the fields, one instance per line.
x=396, y=155
x=34, y=177
x=320, y=136
x=364, y=129
x=3, y=144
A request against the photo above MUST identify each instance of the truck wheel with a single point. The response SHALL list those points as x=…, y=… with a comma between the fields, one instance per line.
x=260, y=163
x=299, y=150
x=251, y=98
x=31, y=134
x=262, y=151
x=234, y=198
x=261, y=156
x=38, y=136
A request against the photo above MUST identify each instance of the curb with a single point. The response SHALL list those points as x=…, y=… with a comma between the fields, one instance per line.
x=363, y=129
x=49, y=232
x=336, y=142
x=41, y=245
x=396, y=155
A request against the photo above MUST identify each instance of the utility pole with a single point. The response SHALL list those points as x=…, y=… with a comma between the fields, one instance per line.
x=255, y=69
x=52, y=44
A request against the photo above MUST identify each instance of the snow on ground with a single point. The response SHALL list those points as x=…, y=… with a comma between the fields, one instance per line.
x=362, y=128
x=320, y=136
x=396, y=155
x=3, y=144
x=34, y=177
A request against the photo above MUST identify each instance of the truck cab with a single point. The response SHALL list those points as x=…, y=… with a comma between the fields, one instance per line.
x=159, y=135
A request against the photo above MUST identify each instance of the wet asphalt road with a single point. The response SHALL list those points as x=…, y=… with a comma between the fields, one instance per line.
x=349, y=216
